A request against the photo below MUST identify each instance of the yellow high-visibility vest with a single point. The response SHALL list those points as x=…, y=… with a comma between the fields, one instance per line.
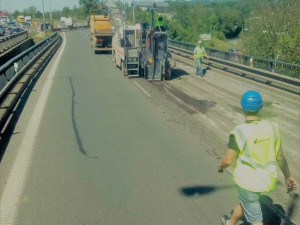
x=159, y=23
x=199, y=52
x=256, y=165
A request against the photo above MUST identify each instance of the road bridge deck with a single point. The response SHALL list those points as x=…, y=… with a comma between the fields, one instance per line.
x=112, y=150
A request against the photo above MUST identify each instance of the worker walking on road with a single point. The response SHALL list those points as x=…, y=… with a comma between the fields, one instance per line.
x=256, y=147
x=199, y=53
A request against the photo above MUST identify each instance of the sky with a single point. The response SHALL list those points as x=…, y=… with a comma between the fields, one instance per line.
x=12, y=5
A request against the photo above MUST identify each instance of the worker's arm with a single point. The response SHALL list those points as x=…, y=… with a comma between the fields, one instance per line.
x=227, y=160
x=194, y=57
x=289, y=180
x=206, y=55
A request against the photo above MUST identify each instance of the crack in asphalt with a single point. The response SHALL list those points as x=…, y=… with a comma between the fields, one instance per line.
x=77, y=135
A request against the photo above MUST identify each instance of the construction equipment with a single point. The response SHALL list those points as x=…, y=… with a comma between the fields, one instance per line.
x=125, y=46
x=140, y=50
x=101, y=33
x=155, y=60
x=126, y=50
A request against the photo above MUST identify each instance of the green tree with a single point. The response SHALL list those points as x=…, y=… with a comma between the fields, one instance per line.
x=32, y=11
x=231, y=21
x=16, y=13
x=274, y=31
x=56, y=14
x=66, y=12
x=90, y=6
x=25, y=12
x=39, y=15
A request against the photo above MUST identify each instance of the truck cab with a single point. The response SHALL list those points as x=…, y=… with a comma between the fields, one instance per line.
x=21, y=19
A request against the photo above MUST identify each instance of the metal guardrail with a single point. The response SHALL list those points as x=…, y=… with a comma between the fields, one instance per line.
x=283, y=82
x=12, y=70
x=9, y=41
x=285, y=69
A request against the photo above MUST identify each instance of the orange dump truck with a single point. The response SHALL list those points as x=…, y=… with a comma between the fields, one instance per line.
x=101, y=33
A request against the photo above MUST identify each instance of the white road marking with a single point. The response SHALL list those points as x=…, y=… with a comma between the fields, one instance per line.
x=142, y=89
x=15, y=183
x=179, y=100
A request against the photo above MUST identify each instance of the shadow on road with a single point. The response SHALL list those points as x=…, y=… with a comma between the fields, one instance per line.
x=202, y=190
x=273, y=214
x=103, y=52
x=177, y=73
x=205, y=70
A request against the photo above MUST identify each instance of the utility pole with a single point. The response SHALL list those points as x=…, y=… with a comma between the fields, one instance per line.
x=133, y=19
x=43, y=12
x=50, y=11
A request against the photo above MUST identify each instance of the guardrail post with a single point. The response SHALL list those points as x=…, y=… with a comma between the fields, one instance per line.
x=2, y=47
x=245, y=60
x=16, y=66
x=208, y=51
x=270, y=66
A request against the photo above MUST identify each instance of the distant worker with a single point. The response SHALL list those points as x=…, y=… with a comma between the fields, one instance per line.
x=256, y=147
x=160, y=24
x=199, y=53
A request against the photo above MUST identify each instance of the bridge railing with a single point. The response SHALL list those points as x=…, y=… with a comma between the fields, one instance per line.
x=10, y=41
x=11, y=71
x=286, y=69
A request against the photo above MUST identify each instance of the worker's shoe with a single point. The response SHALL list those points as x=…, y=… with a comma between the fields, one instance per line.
x=225, y=220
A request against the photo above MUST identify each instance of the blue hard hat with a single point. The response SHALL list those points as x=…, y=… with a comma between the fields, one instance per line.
x=251, y=101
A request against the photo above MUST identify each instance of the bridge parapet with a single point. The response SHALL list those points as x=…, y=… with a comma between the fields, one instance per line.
x=13, y=71
x=272, y=66
x=10, y=41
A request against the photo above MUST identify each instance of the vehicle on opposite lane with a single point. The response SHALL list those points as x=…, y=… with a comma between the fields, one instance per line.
x=15, y=30
x=11, y=24
x=2, y=30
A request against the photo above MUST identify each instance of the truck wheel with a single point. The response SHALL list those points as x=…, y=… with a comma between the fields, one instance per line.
x=123, y=68
x=141, y=72
x=168, y=75
x=113, y=57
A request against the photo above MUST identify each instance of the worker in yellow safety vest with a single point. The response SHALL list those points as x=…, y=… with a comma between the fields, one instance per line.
x=255, y=149
x=199, y=53
x=160, y=24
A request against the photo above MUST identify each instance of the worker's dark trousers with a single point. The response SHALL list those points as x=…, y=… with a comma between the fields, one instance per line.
x=199, y=70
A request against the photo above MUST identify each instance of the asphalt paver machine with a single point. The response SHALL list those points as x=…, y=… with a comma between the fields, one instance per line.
x=155, y=60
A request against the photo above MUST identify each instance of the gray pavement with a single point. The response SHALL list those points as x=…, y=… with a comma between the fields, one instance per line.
x=112, y=150
x=105, y=154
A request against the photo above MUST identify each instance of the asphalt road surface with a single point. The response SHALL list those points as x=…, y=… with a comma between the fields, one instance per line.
x=92, y=147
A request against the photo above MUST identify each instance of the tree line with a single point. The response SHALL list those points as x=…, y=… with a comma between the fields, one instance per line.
x=263, y=28
x=274, y=31
x=85, y=9
x=75, y=12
